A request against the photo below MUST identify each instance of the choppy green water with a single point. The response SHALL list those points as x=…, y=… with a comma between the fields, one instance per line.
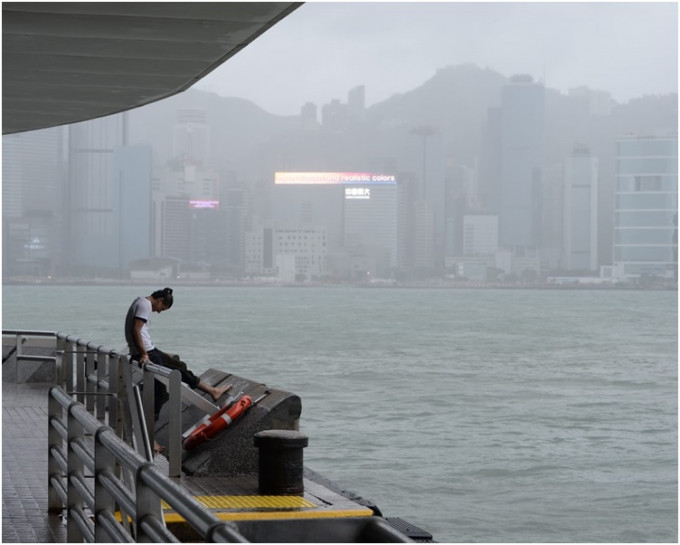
x=479, y=415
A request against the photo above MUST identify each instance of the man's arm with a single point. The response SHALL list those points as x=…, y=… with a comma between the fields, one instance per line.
x=137, y=326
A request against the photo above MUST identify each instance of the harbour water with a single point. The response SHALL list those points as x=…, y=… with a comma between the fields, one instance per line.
x=479, y=415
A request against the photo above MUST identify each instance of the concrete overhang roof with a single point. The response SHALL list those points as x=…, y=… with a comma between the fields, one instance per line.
x=64, y=62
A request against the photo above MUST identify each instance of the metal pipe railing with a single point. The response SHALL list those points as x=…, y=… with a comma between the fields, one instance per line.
x=151, y=485
x=101, y=381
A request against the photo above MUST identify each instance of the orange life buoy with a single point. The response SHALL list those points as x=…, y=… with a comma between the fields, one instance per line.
x=217, y=422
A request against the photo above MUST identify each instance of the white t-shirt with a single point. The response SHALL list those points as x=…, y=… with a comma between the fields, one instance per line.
x=140, y=308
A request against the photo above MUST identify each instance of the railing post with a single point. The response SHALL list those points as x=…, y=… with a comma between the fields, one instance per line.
x=74, y=468
x=59, y=367
x=102, y=400
x=148, y=505
x=148, y=403
x=134, y=416
x=68, y=364
x=104, y=460
x=90, y=388
x=54, y=410
x=175, y=424
x=81, y=372
x=115, y=388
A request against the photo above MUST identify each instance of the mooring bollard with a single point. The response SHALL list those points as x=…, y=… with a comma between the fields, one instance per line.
x=280, y=463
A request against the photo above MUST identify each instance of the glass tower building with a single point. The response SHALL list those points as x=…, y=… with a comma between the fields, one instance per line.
x=646, y=207
x=522, y=150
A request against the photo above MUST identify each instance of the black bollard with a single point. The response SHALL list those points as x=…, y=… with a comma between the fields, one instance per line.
x=280, y=462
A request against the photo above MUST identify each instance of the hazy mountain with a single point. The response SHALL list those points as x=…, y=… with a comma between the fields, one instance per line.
x=455, y=101
x=237, y=125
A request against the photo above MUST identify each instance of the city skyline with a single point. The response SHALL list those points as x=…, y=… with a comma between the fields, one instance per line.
x=435, y=224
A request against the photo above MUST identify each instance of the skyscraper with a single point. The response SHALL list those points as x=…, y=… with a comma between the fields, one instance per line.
x=370, y=221
x=132, y=176
x=580, y=210
x=522, y=158
x=32, y=206
x=646, y=207
x=92, y=196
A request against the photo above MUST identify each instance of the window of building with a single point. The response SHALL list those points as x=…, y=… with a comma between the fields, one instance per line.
x=647, y=183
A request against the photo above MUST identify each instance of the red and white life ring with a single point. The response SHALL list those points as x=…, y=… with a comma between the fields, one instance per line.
x=217, y=422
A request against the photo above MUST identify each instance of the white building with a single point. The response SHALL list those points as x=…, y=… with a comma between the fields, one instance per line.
x=290, y=252
x=580, y=211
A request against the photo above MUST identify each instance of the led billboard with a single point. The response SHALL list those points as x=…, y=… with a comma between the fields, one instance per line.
x=211, y=205
x=357, y=193
x=321, y=178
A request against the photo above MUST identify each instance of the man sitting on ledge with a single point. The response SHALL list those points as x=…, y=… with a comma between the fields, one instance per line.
x=142, y=349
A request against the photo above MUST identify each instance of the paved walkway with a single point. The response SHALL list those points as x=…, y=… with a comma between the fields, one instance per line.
x=24, y=467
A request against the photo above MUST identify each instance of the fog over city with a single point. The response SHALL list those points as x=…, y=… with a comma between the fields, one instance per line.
x=628, y=49
x=479, y=143
x=439, y=239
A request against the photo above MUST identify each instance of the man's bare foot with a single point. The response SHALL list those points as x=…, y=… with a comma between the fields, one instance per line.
x=157, y=447
x=217, y=393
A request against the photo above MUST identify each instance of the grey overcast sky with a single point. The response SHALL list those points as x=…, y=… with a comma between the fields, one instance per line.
x=324, y=49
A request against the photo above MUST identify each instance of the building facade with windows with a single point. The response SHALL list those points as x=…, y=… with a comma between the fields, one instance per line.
x=646, y=207
x=289, y=252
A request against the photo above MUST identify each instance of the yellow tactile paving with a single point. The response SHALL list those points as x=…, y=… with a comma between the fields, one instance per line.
x=265, y=507
x=251, y=502
x=269, y=515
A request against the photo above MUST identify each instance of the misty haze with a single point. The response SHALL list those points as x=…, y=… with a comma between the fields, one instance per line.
x=505, y=175
x=493, y=179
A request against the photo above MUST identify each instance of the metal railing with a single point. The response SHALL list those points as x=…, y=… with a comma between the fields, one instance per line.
x=103, y=459
x=106, y=381
x=100, y=422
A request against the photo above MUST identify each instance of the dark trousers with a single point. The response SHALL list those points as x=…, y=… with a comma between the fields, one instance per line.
x=171, y=361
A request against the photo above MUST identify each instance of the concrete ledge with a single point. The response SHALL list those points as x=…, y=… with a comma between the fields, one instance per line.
x=232, y=452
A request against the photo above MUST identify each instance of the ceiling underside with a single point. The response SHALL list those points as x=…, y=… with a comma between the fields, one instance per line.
x=72, y=61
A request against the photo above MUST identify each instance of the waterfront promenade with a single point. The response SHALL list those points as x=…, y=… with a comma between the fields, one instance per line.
x=24, y=466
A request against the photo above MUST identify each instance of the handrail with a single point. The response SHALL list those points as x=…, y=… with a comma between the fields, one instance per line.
x=151, y=486
x=100, y=382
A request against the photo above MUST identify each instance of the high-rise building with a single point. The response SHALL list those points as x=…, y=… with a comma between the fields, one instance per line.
x=318, y=204
x=357, y=210
x=596, y=102
x=32, y=205
x=334, y=116
x=191, y=138
x=356, y=103
x=424, y=157
x=646, y=207
x=480, y=234
x=490, y=163
x=423, y=236
x=235, y=206
x=308, y=117
x=522, y=158
x=370, y=221
x=189, y=171
x=175, y=218
x=99, y=188
x=580, y=210
x=132, y=175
